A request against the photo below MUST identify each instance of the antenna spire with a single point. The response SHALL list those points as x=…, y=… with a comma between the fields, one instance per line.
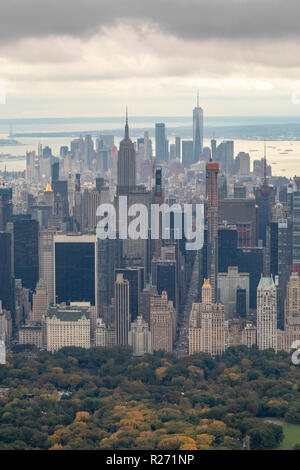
x=126, y=125
x=198, y=98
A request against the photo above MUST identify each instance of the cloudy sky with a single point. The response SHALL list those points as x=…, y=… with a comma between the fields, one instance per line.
x=92, y=57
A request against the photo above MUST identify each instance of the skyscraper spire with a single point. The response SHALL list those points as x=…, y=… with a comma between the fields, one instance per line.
x=197, y=131
x=126, y=126
x=126, y=166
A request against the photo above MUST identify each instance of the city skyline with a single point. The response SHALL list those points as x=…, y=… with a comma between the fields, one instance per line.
x=149, y=263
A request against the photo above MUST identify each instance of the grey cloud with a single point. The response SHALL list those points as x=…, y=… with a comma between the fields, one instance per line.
x=187, y=19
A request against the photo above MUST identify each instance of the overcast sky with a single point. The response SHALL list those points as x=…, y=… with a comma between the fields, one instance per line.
x=94, y=57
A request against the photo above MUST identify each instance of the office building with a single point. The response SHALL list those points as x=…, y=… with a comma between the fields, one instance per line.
x=249, y=335
x=109, y=259
x=294, y=217
x=242, y=213
x=212, y=170
x=75, y=268
x=225, y=156
x=187, y=153
x=164, y=277
x=178, y=148
x=122, y=311
x=5, y=207
x=40, y=301
x=266, y=314
x=25, y=237
x=161, y=143
x=227, y=247
x=139, y=337
x=207, y=325
x=231, y=286
x=135, y=276
x=197, y=132
x=292, y=301
x=6, y=271
x=46, y=260
x=250, y=260
x=101, y=333
x=264, y=198
x=162, y=322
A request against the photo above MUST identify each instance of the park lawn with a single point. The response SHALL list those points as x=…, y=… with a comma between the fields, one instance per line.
x=291, y=436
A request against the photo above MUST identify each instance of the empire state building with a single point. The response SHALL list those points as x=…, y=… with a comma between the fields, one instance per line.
x=126, y=163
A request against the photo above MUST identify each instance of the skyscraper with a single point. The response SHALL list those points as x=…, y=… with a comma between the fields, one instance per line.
x=197, y=131
x=94, y=200
x=294, y=217
x=126, y=162
x=140, y=337
x=109, y=258
x=162, y=322
x=136, y=194
x=46, y=261
x=229, y=284
x=6, y=286
x=264, y=197
x=212, y=170
x=164, y=277
x=75, y=268
x=40, y=301
x=25, y=236
x=161, y=143
x=243, y=214
x=135, y=276
x=292, y=301
x=207, y=326
x=187, y=153
x=122, y=312
x=5, y=206
x=266, y=314
x=178, y=147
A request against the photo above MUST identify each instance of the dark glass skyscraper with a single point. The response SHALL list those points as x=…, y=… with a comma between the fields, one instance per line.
x=25, y=235
x=6, y=291
x=75, y=268
x=161, y=143
x=109, y=259
x=250, y=260
x=164, y=277
x=5, y=206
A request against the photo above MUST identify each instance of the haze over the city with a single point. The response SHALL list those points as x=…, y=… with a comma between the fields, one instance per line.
x=88, y=58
